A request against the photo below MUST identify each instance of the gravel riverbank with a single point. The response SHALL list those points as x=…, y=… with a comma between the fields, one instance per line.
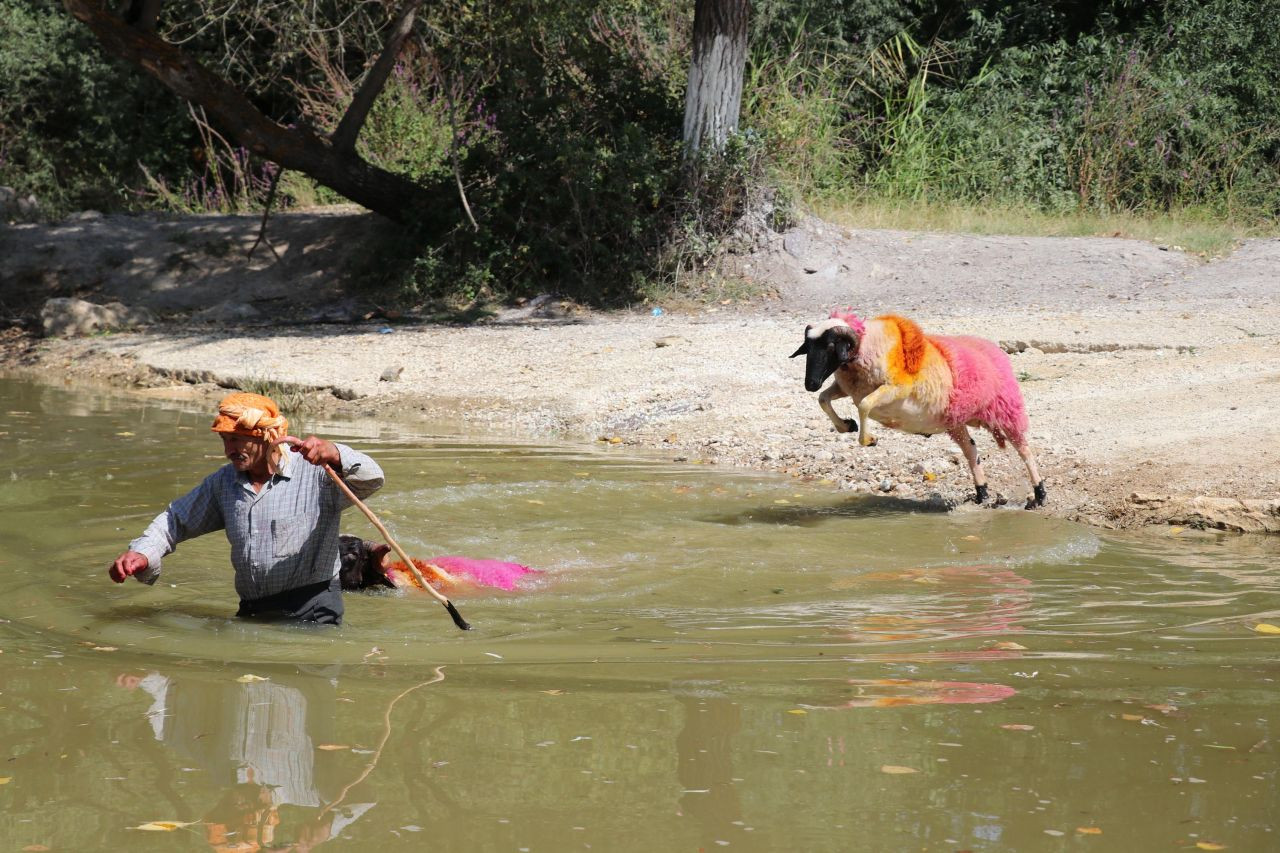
x=1152, y=377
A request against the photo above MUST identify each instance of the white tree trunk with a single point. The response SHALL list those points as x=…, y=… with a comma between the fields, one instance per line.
x=714, y=96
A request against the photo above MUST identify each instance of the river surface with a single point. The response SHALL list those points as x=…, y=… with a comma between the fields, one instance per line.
x=708, y=659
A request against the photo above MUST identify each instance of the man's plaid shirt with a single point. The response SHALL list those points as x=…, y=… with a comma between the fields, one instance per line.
x=283, y=537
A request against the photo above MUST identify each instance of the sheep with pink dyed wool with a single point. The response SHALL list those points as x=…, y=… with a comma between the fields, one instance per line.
x=924, y=384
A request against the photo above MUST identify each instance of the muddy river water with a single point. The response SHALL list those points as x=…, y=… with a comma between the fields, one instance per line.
x=709, y=659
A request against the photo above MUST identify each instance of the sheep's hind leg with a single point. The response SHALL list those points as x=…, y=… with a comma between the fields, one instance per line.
x=834, y=392
x=1038, y=493
x=960, y=435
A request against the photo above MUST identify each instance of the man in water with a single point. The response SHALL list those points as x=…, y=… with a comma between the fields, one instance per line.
x=279, y=508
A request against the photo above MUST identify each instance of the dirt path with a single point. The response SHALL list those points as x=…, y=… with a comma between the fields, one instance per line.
x=1146, y=371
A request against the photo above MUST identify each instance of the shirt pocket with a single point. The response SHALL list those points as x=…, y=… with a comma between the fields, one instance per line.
x=287, y=538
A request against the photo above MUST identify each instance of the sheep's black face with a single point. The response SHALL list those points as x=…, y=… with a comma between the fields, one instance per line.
x=826, y=353
x=361, y=563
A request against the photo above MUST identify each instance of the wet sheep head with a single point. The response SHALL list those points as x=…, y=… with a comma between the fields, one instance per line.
x=362, y=563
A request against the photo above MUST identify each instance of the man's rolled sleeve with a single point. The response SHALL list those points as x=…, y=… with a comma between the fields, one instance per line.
x=359, y=471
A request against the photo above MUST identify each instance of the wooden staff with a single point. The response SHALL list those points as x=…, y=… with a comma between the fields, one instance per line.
x=368, y=513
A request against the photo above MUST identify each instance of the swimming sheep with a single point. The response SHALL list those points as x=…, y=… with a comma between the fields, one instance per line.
x=918, y=383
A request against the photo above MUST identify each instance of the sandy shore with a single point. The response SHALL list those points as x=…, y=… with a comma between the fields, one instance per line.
x=1152, y=378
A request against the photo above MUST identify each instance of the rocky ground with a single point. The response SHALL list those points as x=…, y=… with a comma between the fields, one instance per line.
x=1152, y=377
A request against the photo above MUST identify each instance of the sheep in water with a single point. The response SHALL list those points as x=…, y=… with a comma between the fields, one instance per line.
x=924, y=384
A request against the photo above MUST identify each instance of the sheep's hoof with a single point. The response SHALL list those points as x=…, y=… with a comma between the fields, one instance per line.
x=851, y=424
x=980, y=495
x=1037, y=499
x=867, y=440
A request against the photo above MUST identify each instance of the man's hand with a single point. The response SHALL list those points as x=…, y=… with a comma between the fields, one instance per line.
x=315, y=450
x=127, y=564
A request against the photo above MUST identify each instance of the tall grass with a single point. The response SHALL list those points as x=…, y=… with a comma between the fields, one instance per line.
x=907, y=139
x=797, y=97
x=1100, y=138
x=230, y=179
x=1199, y=231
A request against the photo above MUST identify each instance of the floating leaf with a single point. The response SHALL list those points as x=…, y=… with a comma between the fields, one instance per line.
x=1133, y=718
x=1011, y=647
x=36, y=848
x=782, y=501
x=5, y=780
x=125, y=434
x=163, y=825
x=797, y=711
x=552, y=692
x=897, y=769
x=1088, y=830
x=332, y=747
x=105, y=649
x=1210, y=845
x=249, y=677
x=1266, y=628
x=535, y=501
x=1018, y=727
x=1162, y=708
x=971, y=538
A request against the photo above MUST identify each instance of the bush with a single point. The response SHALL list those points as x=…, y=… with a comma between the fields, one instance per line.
x=63, y=135
x=548, y=130
x=1103, y=107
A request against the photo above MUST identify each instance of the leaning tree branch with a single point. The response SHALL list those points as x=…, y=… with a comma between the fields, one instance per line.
x=143, y=14
x=298, y=148
x=344, y=137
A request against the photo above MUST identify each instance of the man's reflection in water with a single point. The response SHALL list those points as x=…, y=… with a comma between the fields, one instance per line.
x=259, y=738
x=704, y=748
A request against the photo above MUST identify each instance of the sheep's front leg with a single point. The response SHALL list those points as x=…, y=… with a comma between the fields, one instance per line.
x=881, y=396
x=834, y=392
x=960, y=435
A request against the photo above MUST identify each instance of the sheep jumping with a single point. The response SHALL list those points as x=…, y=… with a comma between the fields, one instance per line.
x=918, y=383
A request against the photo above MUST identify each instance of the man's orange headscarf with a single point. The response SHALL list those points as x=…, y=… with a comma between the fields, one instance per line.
x=252, y=415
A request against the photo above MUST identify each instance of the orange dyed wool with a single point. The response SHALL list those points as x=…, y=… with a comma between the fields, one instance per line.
x=401, y=576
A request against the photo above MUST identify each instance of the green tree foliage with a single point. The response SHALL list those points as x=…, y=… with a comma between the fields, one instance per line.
x=1105, y=106
x=548, y=130
x=75, y=129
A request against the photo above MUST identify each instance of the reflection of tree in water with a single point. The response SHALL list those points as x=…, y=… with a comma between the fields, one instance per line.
x=704, y=750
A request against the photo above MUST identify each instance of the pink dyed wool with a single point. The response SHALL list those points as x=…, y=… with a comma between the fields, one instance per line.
x=852, y=319
x=494, y=573
x=984, y=388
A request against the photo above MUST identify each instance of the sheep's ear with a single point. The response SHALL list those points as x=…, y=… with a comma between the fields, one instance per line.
x=804, y=349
